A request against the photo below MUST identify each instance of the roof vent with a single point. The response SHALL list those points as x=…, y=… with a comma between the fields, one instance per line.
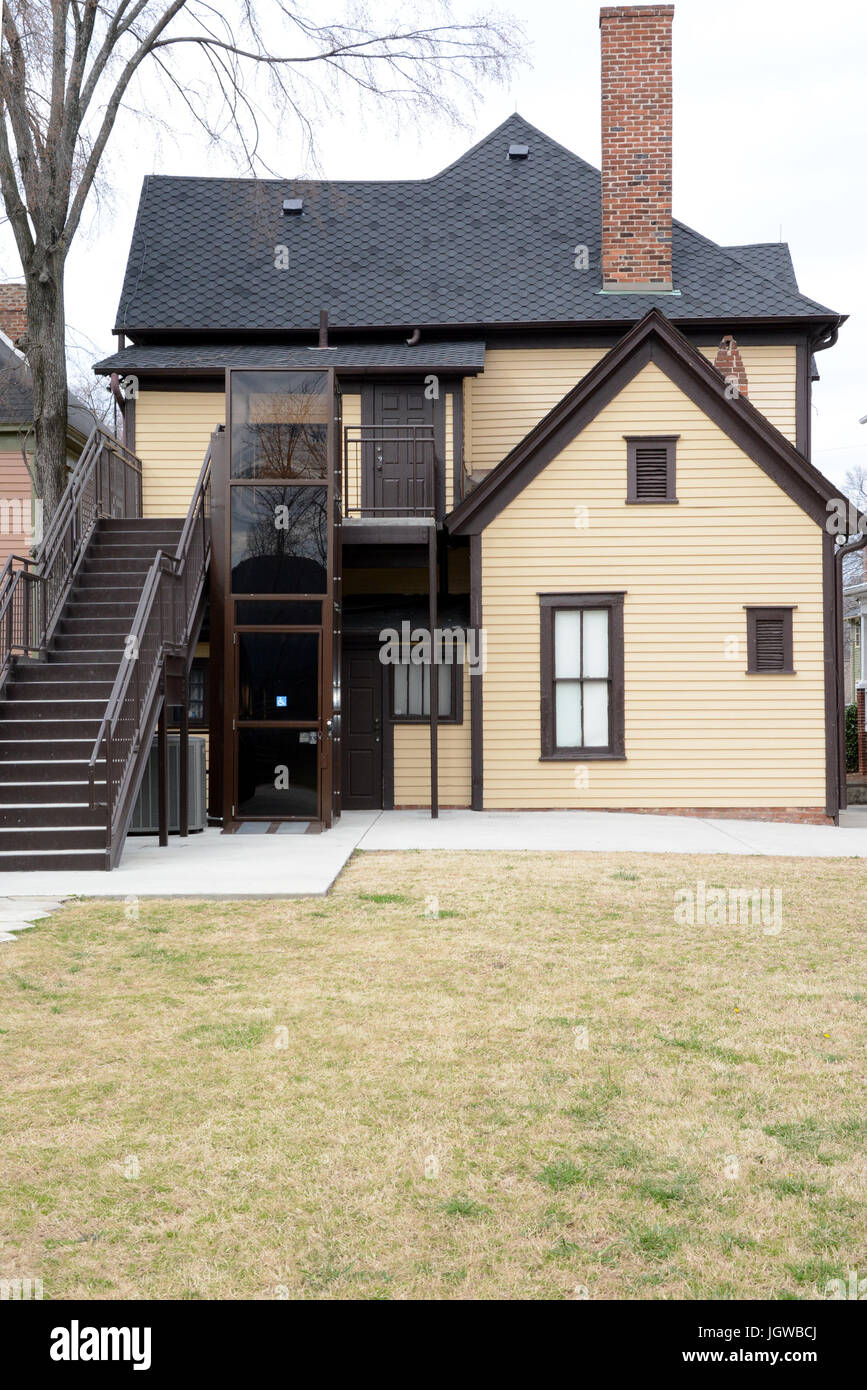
x=519, y=151
x=293, y=205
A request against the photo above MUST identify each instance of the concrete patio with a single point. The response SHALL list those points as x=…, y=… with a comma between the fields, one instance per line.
x=213, y=865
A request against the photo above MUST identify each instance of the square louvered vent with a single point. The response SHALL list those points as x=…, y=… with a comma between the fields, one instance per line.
x=650, y=470
x=769, y=640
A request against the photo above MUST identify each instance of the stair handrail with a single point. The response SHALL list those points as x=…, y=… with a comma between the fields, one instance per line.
x=34, y=588
x=162, y=627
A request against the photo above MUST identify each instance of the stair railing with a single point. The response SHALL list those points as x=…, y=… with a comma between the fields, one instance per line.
x=106, y=481
x=162, y=628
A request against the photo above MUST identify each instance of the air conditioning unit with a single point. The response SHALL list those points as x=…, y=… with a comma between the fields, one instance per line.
x=146, y=816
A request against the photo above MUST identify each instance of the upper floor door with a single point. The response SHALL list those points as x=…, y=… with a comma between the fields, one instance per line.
x=398, y=472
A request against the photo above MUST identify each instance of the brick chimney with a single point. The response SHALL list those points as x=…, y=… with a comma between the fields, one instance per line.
x=636, y=148
x=730, y=365
x=13, y=310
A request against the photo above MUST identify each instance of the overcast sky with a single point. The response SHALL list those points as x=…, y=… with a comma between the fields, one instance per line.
x=770, y=140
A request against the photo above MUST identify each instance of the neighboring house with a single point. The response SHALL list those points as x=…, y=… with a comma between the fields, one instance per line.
x=19, y=516
x=855, y=637
x=517, y=401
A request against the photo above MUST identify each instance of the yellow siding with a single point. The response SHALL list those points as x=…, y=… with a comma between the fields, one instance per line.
x=172, y=432
x=699, y=731
x=517, y=387
x=772, y=376
x=352, y=462
x=412, y=760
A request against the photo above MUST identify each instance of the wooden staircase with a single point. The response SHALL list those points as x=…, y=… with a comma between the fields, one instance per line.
x=97, y=631
x=52, y=707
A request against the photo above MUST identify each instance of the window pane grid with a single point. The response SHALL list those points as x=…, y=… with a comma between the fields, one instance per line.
x=412, y=691
x=582, y=680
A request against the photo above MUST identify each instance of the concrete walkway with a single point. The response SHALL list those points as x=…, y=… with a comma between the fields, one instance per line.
x=610, y=831
x=213, y=865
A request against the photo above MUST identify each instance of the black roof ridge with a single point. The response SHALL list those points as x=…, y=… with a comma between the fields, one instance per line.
x=486, y=139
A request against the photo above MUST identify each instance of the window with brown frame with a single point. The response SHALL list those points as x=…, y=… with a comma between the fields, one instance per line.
x=770, y=648
x=410, y=693
x=650, y=468
x=582, y=670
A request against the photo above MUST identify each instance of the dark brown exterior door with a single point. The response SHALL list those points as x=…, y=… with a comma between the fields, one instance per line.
x=398, y=467
x=362, y=728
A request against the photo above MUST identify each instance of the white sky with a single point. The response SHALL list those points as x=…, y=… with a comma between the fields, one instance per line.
x=770, y=135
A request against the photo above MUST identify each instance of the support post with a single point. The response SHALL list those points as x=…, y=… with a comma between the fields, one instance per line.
x=434, y=672
x=163, y=775
x=184, y=764
x=476, y=715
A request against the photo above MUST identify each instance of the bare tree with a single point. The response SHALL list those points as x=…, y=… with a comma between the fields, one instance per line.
x=69, y=67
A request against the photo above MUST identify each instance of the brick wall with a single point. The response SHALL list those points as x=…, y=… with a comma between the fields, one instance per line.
x=13, y=310
x=636, y=145
x=861, y=697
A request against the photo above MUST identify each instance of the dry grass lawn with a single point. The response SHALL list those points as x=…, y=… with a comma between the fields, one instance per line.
x=354, y=1097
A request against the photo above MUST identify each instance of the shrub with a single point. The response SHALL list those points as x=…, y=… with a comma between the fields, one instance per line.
x=851, y=738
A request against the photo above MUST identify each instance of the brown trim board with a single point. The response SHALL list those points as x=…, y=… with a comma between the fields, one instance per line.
x=477, y=734
x=653, y=339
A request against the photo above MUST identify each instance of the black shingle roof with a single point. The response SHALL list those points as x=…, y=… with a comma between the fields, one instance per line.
x=16, y=394
x=770, y=258
x=456, y=357
x=487, y=241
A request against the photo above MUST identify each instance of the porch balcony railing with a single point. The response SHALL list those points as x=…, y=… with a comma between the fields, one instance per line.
x=389, y=471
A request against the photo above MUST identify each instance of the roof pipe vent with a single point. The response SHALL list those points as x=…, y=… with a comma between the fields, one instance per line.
x=519, y=151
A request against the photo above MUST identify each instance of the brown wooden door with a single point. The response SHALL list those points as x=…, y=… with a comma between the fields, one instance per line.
x=398, y=475
x=361, y=739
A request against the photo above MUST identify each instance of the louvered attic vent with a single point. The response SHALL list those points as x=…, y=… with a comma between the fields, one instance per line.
x=769, y=644
x=650, y=474
x=769, y=641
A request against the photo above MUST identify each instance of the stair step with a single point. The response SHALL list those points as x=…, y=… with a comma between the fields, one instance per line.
x=123, y=550
x=140, y=525
x=93, y=627
x=57, y=695
x=112, y=593
x=108, y=566
x=54, y=837
x=106, y=605
x=44, y=861
x=70, y=672
x=71, y=646
x=53, y=710
x=45, y=793
x=75, y=655
x=47, y=815
x=24, y=731
x=43, y=760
